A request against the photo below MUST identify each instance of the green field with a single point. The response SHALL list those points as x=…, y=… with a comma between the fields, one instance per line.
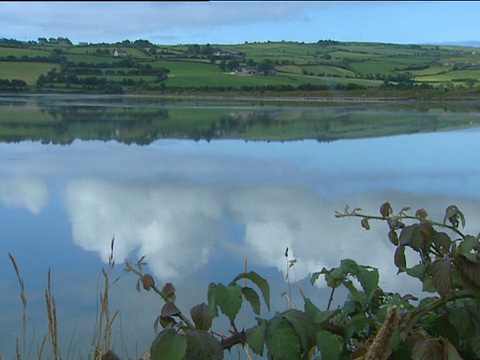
x=26, y=71
x=324, y=63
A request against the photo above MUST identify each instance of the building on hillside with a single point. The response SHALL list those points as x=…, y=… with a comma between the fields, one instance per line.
x=242, y=72
x=120, y=53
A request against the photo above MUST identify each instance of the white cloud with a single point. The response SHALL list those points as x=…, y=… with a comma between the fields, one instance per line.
x=28, y=193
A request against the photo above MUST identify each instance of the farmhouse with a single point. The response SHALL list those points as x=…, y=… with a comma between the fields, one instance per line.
x=120, y=53
x=242, y=72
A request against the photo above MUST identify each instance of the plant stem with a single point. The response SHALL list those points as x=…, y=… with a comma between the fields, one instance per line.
x=402, y=216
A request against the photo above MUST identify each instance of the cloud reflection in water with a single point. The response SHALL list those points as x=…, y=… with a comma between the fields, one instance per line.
x=28, y=193
x=179, y=225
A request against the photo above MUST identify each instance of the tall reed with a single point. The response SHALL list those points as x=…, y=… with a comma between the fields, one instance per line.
x=103, y=330
x=24, y=316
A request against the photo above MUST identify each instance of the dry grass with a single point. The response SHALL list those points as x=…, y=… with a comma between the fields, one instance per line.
x=49, y=345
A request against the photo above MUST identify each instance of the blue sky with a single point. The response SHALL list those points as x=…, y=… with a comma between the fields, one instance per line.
x=233, y=22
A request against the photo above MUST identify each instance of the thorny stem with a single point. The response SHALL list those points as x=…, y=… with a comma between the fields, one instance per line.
x=401, y=216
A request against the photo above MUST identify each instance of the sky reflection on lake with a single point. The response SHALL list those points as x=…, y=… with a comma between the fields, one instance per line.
x=198, y=209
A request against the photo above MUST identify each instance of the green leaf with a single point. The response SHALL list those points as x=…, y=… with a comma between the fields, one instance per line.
x=357, y=324
x=169, y=345
x=314, y=277
x=324, y=317
x=303, y=326
x=212, y=304
x=256, y=337
x=310, y=308
x=462, y=321
x=252, y=297
x=349, y=266
x=353, y=290
x=282, y=341
x=202, y=345
x=470, y=243
x=475, y=341
x=469, y=274
x=428, y=285
x=201, y=316
x=442, y=276
x=328, y=345
x=429, y=349
x=417, y=271
x=399, y=258
x=452, y=353
x=259, y=281
x=442, y=240
x=368, y=278
x=229, y=300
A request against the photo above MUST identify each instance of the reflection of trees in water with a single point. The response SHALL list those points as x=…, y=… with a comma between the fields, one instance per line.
x=126, y=124
x=134, y=121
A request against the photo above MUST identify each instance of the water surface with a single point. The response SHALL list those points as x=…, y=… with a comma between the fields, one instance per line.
x=200, y=187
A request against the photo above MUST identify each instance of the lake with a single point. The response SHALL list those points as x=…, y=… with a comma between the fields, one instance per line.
x=204, y=189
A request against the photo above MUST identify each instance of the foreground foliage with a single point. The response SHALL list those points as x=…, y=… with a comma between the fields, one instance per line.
x=371, y=324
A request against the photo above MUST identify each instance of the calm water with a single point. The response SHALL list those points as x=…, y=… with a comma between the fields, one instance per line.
x=199, y=202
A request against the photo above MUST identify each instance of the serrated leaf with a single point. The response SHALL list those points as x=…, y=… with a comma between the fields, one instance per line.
x=229, y=300
x=427, y=231
x=282, y=341
x=468, y=244
x=358, y=323
x=442, y=276
x=368, y=278
x=406, y=235
x=169, y=345
x=469, y=274
x=164, y=322
x=201, y=316
x=252, y=297
x=256, y=337
x=310, y=308
x=442, y=240
x=324, y=317
x=462, y=321
x=430, y=349
x=170, y=309
x=259, y=281
x=202, y=345
x=303, y=326
x=428, y=285
x=399, y=258
x=417, y=271
x=349, y=266
x=329, y=345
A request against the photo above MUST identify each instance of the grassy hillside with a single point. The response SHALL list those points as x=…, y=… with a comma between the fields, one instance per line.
x=272, y=66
